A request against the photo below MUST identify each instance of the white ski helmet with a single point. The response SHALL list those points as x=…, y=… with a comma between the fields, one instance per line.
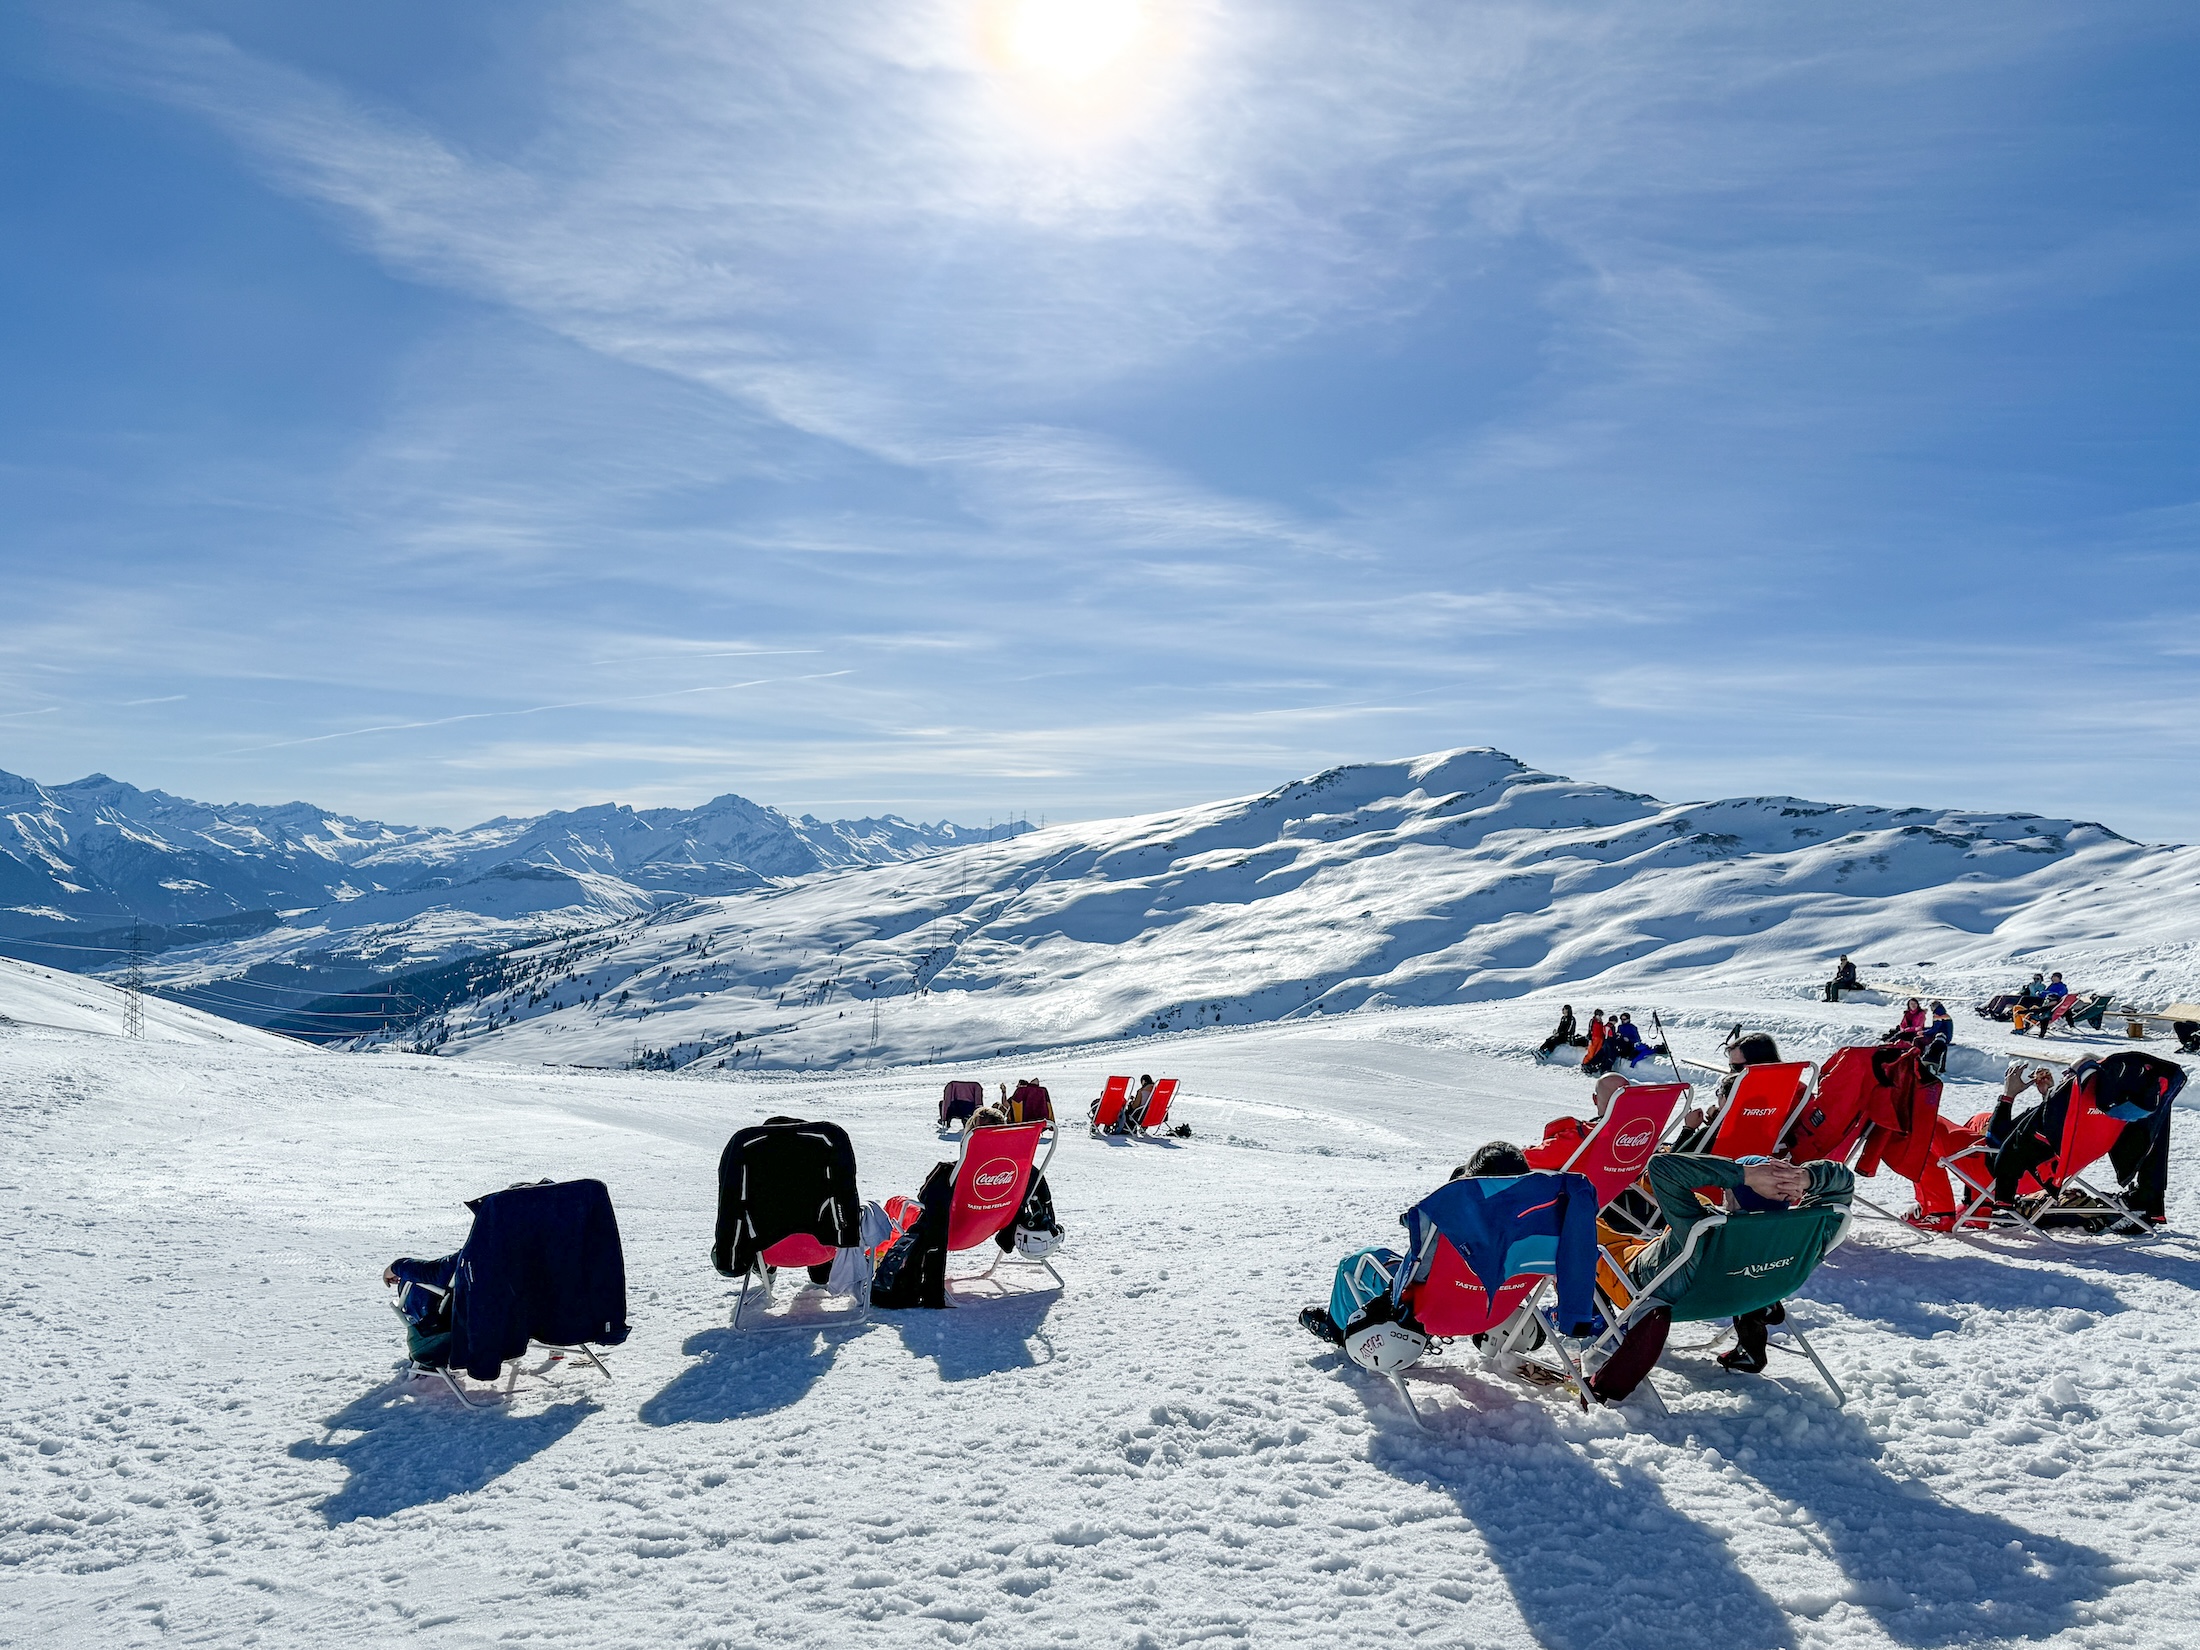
x=1035, y=1244
x=1385, y=1348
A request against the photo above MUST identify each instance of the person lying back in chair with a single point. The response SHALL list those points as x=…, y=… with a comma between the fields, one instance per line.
x=1134, y=1109
x=1359, y=1284
x=1741, y=1187
x=1562, y=1136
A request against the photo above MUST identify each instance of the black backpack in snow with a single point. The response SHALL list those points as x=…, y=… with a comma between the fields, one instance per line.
x=913, y=1271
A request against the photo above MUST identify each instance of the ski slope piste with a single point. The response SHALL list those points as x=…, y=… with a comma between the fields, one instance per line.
x=1462, y=876
x=209, y=1436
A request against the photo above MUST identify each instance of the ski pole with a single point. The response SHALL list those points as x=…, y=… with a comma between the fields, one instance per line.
x=1672, y=1059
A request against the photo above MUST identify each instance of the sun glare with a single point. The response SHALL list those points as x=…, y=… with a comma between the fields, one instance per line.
x=1070, y=40
x=1078, y=61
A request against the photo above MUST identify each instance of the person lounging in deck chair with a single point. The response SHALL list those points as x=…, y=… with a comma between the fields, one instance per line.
x=2040, y=1152
x=1562, y=1136
x=1936, y=1196
x=1359, y=1298
x=1742, y=1189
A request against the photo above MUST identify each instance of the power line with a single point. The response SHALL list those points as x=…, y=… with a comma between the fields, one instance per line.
x=197, y=998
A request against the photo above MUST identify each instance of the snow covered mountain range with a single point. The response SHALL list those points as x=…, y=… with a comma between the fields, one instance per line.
x=259, y=908
x=1456, y=877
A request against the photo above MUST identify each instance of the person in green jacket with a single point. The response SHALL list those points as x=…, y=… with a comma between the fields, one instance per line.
x=1743, y=1187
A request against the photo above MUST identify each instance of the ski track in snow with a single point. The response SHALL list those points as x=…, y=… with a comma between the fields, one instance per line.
x=203, y=1442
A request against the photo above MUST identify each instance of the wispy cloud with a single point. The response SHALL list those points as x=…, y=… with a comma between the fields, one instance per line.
x=1590, y=378
x=528, y=710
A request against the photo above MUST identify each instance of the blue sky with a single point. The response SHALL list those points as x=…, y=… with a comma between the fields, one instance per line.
x=1080, y=406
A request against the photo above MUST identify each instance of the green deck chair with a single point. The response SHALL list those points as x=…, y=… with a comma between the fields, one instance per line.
x=1744, y=1262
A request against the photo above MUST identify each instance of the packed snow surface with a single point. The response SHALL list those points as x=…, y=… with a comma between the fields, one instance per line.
x=203, y=1440
x=1457, y=877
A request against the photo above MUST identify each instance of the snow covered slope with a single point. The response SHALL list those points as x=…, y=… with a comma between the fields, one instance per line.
x=1456, y=877
x=202, y=1443
x=49, y=1000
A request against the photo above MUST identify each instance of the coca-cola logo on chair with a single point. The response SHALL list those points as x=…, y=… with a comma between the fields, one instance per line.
x=994, y=1179
x=1632, y=1146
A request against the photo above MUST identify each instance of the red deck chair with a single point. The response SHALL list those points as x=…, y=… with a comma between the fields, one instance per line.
x=799, y=1250
x=997, y=1167
x=1756, y=1114
x=1451, y=1302
x=1107, y=1111
x=1835, y=1120
x=2063, y=1011
x=1157, y=1106
x=2087, y=1135
x=1615, y=1152
x=1830, y=1123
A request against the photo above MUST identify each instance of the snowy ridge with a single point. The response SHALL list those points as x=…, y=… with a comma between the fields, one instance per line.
x=1456, y=877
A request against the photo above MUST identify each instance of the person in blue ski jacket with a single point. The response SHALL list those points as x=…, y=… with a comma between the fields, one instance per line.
x=1366, y=1273
x=1512, y=1218
x=1634, y=1049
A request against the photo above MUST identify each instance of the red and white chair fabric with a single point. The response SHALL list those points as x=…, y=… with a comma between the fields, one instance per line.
x=992, y=1179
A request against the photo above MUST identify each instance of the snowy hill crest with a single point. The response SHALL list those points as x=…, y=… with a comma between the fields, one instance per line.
x=1458, y=876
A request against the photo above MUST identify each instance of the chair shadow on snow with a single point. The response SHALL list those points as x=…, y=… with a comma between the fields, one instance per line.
x=415, y=1445
x=1597, y=1560
x=982, y=1334
x=1592, y=1561
x=738, y=1374
x=1920, y=1293
x=1928, y=1571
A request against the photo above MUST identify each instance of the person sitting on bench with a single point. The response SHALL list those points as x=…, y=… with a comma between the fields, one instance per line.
x=1844, y=979
x=1634, y=1049
x=1563, y=1037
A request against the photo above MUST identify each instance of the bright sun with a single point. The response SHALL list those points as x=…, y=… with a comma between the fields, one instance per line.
x=1067, y=42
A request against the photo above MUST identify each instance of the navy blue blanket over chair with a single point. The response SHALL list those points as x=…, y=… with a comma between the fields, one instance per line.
x=542, y=1266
